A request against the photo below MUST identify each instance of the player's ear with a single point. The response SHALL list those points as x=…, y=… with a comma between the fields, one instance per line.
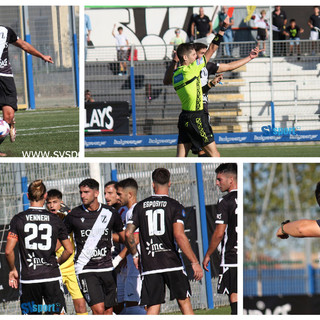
x=169, y=184
x=96, y=193
x=45, y=196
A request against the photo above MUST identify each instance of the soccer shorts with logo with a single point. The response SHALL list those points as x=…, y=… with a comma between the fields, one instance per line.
x=8, y=93
x=153, y=287
x=97, y=287
x=52, y=294
x=194, y=128
x=71, y=282
x=228, y=283
x=132, y=288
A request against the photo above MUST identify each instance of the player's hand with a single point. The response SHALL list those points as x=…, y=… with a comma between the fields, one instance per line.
x=281, y=235
x=218, y=78
x=136, y=263
x=197, y=271
x=205, y=262
x=13, y=279
x=175, y=56
x=226, y=22
x=47, y=59
x=317, y=193
x=255, y=52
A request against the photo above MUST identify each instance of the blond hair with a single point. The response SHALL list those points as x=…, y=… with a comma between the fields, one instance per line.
x=36, y=190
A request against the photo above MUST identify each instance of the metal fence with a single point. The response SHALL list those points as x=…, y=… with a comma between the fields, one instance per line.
x=51, y=34
x=66, y=177
x=242, y=103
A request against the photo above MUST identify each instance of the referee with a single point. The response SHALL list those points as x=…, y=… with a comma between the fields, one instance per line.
x=193, y=125
x=8, y=93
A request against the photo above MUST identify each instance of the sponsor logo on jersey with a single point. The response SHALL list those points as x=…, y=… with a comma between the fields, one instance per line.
x=154, y=248
x=219, y=216
x=96, y=253
x=82, y=220
x=86, y=233
x=183, y=213
x=36, y=262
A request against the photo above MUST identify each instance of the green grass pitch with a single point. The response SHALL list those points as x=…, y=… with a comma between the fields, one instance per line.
x=48, y=133
x=219, y=310
x=235, y=151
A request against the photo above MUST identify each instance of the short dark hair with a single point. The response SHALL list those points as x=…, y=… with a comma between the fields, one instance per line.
x=90, y=183
x=227, y=168
x=161, y=176
x=54, y=193
x=110, y=183
x=127, y=183
x=199, y=45
x=120, y=28
x=292, y=20
x=183, y=49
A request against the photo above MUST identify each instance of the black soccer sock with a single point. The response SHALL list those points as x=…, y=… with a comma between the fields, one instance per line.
x=234, y=306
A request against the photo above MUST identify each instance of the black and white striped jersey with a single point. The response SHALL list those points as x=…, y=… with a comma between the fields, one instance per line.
x=37, y=231
x=155, y=217
x=7, y=35
x=92, y=232
x=227, y=214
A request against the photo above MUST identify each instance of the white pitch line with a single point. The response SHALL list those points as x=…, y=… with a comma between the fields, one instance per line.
x=29, y=112
x=30, y=129
x=34, y=134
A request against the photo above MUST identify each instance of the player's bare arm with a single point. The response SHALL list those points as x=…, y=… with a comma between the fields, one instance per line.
x=223, y=67
x=214, y=242
x=169, y=72
x=32, y=50
x=184, y=245
x=9, y=252
x=299, y=229
x=214, y=45
x=130, y=241
x=68, y=250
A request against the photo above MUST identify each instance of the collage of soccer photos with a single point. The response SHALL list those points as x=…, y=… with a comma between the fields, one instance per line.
x=125, y=132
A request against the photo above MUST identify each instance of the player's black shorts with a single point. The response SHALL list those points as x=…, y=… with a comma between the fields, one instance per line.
x=153, y=287
x=261, y=34
x=8, y=93
x=52, y=294
x=194, y=127
x=227, y=283
x=97, y=287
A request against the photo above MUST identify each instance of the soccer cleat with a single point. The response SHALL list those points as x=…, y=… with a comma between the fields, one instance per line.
x=13, y=131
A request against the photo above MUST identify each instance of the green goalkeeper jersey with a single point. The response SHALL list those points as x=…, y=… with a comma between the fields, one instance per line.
x=186, y=82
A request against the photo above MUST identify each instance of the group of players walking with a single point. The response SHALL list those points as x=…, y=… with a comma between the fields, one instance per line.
x=130, y=279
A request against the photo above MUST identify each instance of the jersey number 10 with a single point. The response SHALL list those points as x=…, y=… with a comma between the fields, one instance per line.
x=45, y=235
x=156, y=224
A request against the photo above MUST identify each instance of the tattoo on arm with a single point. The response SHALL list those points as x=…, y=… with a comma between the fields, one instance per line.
x=130, y=242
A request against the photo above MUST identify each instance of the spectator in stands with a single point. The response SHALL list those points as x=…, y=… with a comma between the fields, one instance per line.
x=201, y=26
x=122, y=48
x=314, y=24
x=87, y=33
x=88, y=97
x=176, y=40
x=293, y=31
x=228, y=36
x=279, y=21
x=262, y=32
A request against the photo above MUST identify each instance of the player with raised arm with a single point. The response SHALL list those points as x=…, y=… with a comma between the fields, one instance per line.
x=127, y=190
x=56, y=206
x=226, y=233
x=193, y=125
x=301, y=228
x=161, y=228
x=8, y=93
x=92, y=225
x=211, y=68
x=37, y=231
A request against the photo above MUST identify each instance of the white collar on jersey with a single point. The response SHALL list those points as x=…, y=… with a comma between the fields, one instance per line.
x=160, y=195
x=233, y=190
x=37, y=208
x=85, y=209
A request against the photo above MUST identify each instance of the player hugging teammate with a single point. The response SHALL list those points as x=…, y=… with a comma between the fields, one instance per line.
x=131, y=281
